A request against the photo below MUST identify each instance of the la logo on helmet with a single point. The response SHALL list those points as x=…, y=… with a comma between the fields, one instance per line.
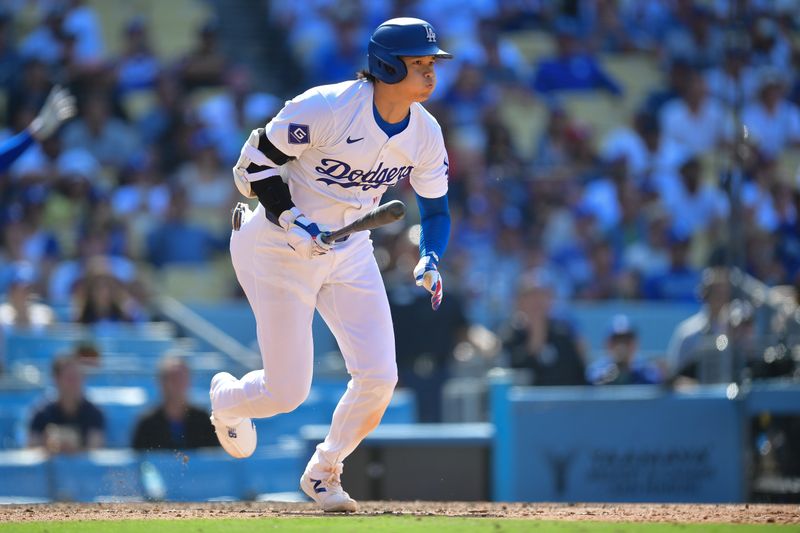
x=429, y=33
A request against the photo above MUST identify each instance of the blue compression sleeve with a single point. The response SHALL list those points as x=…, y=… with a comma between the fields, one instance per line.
x=12, y=148
x=435, y=225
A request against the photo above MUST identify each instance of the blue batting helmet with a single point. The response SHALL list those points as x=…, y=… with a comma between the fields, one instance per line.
x=400, y=37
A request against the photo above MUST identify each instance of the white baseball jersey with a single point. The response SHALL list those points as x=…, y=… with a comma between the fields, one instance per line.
x=344, y=162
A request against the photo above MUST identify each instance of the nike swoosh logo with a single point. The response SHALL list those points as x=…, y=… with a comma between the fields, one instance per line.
x=351, y=141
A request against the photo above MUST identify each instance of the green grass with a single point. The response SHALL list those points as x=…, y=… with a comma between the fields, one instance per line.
x=377, y=523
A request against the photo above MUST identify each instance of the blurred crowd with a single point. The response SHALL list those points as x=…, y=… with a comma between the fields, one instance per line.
x=140, y=182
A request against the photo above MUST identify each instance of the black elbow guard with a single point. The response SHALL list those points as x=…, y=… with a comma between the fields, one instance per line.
x=274, y=195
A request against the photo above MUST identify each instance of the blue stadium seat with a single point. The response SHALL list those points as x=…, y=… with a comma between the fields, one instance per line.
x=15, y=408
x=655, y=322
x=34, y=349
x=25, y=476
x=199, y=475
x=121, y=406
x=274, y=469
x=103, y=475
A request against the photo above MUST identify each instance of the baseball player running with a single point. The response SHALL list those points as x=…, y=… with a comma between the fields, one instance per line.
x=325, y=160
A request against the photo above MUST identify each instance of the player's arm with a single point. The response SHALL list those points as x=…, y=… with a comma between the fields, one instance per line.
x=429, y=182
x=59, y=106
x=257, y=171
x=433, y=238
x=302, y=123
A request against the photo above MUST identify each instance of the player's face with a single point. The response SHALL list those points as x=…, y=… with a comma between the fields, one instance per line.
x=420, y=81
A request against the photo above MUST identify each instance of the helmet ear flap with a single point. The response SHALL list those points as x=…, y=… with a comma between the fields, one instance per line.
x=385, y=66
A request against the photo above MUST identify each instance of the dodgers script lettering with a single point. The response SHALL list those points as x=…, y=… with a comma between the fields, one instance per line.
x=342, y=174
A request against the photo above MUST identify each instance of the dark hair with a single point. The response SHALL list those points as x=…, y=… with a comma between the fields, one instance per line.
x=61, y=361
x=364, y=74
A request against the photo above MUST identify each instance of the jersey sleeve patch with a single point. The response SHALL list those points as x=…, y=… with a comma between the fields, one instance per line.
x=299, y=134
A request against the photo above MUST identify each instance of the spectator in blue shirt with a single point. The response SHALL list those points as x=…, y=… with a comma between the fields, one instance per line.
x=679, y=282
x=621, y=365
x=179, y=241
x=572, y=69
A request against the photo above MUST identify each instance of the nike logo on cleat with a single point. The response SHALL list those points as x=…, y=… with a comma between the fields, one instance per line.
x=317, y=488
x=351, y=141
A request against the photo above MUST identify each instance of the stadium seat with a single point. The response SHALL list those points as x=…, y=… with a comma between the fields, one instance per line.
x=103, y=475
x=275, y=469
x=654, y=321
x=637, y=73
x=25, y=475
x=173, y=23
x=533, y=44
x=526, y=120
x=199, y=475
x=121, y=406
x=599, y=111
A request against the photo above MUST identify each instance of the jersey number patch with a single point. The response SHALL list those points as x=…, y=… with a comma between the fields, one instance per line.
x=298, y=134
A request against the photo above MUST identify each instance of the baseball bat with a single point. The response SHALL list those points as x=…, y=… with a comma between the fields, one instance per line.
x=380, y=216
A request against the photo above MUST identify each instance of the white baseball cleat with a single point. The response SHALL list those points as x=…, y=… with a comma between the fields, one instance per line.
x=328, y=493
x=237, y=437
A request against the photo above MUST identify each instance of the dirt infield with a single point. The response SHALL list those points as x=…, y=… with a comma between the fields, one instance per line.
x=734, y=514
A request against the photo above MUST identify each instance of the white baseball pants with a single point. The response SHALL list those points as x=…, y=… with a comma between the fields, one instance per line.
x=283, y=289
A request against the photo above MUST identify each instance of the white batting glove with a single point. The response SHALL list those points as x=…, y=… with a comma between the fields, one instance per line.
x=58, y=108
x=427, y=275
x=302, y=235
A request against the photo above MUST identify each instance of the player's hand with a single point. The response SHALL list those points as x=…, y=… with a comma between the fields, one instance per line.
x=302, y=235
x=427, y=275
x=59, y=107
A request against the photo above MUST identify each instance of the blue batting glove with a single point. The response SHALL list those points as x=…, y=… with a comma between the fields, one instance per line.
x=427, y=275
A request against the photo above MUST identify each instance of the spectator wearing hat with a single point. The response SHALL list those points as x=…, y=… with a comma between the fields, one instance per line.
x=539, y=342
x=22, y=311
x=70, y=423
x=620, y=365
x=174, y=424
x=138, y=67
x=571, y=68
x=680, y=281
x=772, y=122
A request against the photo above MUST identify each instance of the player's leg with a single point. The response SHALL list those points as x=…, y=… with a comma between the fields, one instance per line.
x=281, y=290
x=354, y=305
